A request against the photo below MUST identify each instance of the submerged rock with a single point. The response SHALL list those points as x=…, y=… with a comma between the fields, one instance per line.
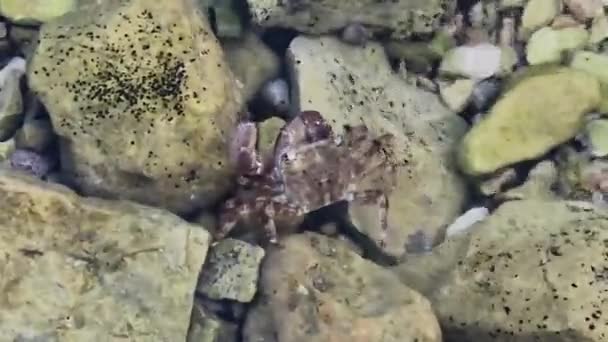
x=538, y=13
x=84, y=269
x=316, y=289
x=476, y=62
x=596, y=132
x=354, y=85
x=456, y=95
x=548, y=45
x=231, y=271
x=534, y=270
x=207, y=327
x=146, y=104
x=252, y=62
x=400, y=17
x=11, y=100
x=35, y=11
x=537, y=114
x=585, y=9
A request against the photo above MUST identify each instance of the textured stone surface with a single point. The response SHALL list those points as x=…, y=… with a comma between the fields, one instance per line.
x=537, y=114
x=231, y=271
x=535, y=270
x=548, y=45
x=83, y=269
x=142, y=99
x=35, y=11
x=252, y=62
x=356, y=85
x=316, y=289
x=400, y=17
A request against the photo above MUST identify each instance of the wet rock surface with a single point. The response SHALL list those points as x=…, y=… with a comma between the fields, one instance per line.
x=146, y=121
x=540, y=112
x=317, y=289
x=71, y=266
x=400, y=17
x=544, y=282
x=335, y=79
x=231, y=271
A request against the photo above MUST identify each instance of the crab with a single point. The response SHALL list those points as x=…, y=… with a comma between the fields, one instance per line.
x=309, y=168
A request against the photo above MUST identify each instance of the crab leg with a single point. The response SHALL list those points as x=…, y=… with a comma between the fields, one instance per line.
x=380, y=199
x=269, y=226
x=231, y=212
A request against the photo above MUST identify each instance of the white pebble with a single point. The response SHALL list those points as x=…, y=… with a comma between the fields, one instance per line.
x=476, y=62
x=16, y=67
x=467, y=220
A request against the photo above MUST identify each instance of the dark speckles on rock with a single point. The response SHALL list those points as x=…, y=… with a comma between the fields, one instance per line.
x=131, y=84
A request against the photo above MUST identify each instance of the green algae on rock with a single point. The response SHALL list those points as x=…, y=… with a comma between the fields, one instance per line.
x=142, y=99
x=596, y=132
x=537, y=14
x=231, y=271
x=84, y=269
x=537, y=114
x=547, y=45
x=35, y=11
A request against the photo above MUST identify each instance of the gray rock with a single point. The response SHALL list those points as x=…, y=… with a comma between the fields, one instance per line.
x=316, y=289
x=35, y=134
x=207, y=327
x=252, y=62
x=144, y=107
x=535, y=270
x=11, y=101
x=400, y=17
x=231, y=271
x=356, y=85
x=538, y=185
x=84, y=269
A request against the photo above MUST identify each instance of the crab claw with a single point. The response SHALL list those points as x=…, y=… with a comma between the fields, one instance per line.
x=316, y=127
x=243, y=149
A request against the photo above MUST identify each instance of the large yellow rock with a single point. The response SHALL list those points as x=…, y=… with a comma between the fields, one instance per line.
x=537, y=114
x=35, y=11
x=143, y=101
x=83, y=269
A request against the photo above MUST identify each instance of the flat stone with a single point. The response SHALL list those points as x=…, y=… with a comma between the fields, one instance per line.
x=231, y=271
x=84, y=269
x=354, y=85
x=35, y=11
x=538, y=13
x=534, y=270
x=316, y=289
x=548, y=45
x=537, y=114
x=456, y=95
x=400, y=17
x=252, y=62
x=597, y=133
x=594, y=63
x=146, y=104
x=585, y=9
x=476, y=62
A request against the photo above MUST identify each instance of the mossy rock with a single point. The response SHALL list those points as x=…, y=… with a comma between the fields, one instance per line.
x=537, y=114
